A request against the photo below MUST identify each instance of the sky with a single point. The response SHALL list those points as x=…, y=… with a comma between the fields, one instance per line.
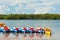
x=29, y=6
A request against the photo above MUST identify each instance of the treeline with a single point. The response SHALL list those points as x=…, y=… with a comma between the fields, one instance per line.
x=30, y=16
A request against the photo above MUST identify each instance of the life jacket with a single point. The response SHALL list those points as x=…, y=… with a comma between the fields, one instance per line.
x=6, y=28
x=40, y=29
x=31, y=29
x=16, y=28
x=47, y=29
x=2, y=24
x=24, y=28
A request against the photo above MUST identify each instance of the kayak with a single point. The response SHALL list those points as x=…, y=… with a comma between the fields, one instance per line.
x=32, y=30
x=40, y=30
x=28, y=30
x=48, y=34
x=25, y=30
x=2, y=24
x=47, y=31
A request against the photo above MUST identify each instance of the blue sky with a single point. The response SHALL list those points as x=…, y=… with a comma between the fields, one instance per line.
x=29, y=6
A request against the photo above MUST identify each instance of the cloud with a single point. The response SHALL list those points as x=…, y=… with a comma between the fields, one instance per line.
x=43, y=10
x=4, y=9
x=29, y=6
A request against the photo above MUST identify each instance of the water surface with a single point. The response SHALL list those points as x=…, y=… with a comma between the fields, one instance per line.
x=54, y=25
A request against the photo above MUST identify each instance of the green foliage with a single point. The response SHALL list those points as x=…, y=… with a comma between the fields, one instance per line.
x=30, y=16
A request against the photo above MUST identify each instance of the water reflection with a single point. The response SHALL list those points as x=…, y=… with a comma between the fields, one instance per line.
x=48, y=35
x=40, y=35
x=6, y=35
x=16, y=34
x=30, y=35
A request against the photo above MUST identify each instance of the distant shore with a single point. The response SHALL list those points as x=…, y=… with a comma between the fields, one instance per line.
x=30, y=16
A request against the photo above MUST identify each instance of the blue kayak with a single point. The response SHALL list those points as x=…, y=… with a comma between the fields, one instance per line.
x=20, y=30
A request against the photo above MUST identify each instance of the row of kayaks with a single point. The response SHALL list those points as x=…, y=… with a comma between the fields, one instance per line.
x=25, y=30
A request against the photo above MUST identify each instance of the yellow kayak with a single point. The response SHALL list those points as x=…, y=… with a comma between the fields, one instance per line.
x=47, y=32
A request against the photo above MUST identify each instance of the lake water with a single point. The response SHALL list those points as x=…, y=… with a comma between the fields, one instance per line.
x=54, y=25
